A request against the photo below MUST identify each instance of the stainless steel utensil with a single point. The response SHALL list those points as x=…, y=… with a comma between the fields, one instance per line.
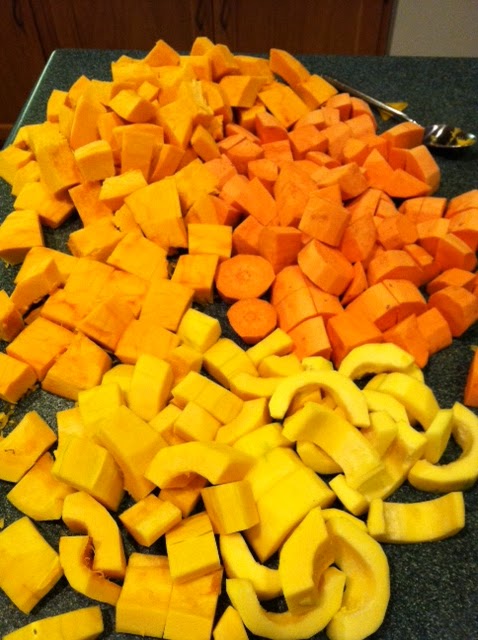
x=436, y=136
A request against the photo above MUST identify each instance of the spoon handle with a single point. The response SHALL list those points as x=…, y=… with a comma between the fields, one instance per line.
x=341, y=86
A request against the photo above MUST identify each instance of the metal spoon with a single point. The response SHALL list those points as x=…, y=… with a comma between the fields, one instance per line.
x=436, y=136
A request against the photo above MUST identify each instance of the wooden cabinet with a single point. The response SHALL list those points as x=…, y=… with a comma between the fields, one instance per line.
x=32, y=29
x=342, y=27
x=122, y=24
x=22, y=59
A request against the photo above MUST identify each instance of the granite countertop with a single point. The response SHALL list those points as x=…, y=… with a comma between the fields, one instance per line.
x=434, y=587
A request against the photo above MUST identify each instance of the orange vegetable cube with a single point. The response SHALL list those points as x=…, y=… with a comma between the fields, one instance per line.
x=24, y=445
x=11, y=321
x=279, y=245
x=284, y=104
x=12, y=159
x=315, y=91
x=325, y=266
x=19, y=232
x=348, y=330
x=40, y=344
x=210, y=239
x=310, y=338
x=16, y=378
x=470, y=395
x=150, y=518
x=289, y=68
x=197, y=272
x=167, y=301
x=406, y=334
x=96, y=241
x=83, y=128
x=241, y=90
x=114, y=190
x=137, y=255
x=458, y=306
x=131, y=107
x=95, y=160
x=86, y=200
x=80, y=367
x=106, y=321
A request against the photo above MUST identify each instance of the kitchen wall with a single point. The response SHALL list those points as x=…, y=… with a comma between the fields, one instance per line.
x=435, y=28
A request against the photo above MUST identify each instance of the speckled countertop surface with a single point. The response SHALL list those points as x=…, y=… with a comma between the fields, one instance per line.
x=434, y=587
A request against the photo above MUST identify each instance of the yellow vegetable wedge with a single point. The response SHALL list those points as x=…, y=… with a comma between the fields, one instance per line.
x=460, y=474
x=83, y=514
x=338, y=437
x=366, y=597
x=75, y=557
x=304, y=556
x=286, y=625
x=239, y=562
x=173, y=466
x=425, y=521
x=230, y=626
x=374, y=358
x=417, y=398
x=81, y=624
x=343, y=390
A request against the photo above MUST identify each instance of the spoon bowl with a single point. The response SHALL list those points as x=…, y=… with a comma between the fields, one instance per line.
x=443, y=136
x=436, y=136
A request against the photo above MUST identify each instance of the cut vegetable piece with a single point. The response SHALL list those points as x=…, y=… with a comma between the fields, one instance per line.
x=343, y=390
x=38, y=494
x=376, y=358
x=83, y=514
x=24, y=445
x=80, y=367
x=199, y=330
x=133, y=443
x=16, y=378
x=197, y=271
x=87, y=466
x=19, y=232
x=215, y=461
x=458, y=306
x=310, y=338
x=29, y=566
x=252, y=319
x=460, y=474
x=192, y=607
x=337, y=437
x=217, y=501
x=230, y=626
x=166, y=302
x=143, y=602
x=192, y=549
x=418, y=399
x=80, y=624
x=243, y=276
x=304, y=557
x=425, y=521
x=470, y=394
x=283, y=505
x=326, y=267
x=286, y=625
x=75, y=557
x=239, y=562
x=150, y=386
x=150, y=518
x=365, y=565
